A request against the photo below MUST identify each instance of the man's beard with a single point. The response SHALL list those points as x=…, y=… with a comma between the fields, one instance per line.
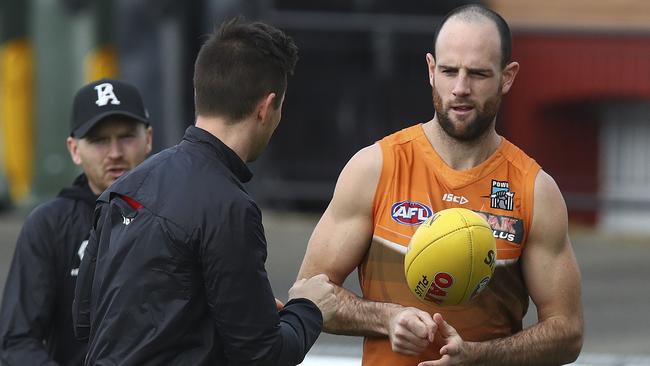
x=475, y=128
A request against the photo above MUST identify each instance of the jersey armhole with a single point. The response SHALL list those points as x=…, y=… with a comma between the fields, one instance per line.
x=529, y=209
x=388, y=162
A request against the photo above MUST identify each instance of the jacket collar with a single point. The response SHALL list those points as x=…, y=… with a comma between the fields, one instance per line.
x=80, y=190
x=225, y=154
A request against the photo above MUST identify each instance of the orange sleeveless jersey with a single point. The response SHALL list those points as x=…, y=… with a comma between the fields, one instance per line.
x=415, y=183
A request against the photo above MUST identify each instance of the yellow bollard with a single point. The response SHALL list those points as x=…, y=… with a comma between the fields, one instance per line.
x=101, y=63
x=16, y=101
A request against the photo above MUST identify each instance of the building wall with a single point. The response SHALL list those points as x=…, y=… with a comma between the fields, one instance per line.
x=554, y=107
x=602, y=15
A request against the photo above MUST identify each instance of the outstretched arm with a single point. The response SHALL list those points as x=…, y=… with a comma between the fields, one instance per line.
x=553, y=279
x=337, y=246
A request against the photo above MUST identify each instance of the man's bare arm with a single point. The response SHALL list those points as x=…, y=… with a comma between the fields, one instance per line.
x=337, y=246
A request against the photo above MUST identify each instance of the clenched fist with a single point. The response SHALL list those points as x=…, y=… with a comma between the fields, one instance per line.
x=411, y=331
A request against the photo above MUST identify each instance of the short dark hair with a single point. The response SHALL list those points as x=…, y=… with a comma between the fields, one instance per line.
x=239, y=64
x=472, y=12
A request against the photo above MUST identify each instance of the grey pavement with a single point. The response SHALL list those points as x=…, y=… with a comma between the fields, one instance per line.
x=615, y=278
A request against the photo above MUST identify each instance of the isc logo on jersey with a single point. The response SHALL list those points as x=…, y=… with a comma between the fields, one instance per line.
x=450, y=197
x=410, y=213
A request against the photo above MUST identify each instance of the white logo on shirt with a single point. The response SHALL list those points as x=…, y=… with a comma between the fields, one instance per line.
x=450, y=197
x=126, y=220
x=80, y=253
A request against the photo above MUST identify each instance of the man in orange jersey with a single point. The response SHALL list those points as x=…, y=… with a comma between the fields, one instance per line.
x=455, y=160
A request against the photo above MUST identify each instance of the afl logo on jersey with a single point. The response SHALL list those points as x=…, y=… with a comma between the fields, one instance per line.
x=410, y=213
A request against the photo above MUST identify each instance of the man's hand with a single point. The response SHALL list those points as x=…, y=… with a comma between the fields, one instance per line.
x=279, y=304
x=411, y=331
x=320, y=291
x=452, y=346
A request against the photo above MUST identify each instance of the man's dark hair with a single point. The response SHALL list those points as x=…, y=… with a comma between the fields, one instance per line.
x=474, y=12
x=239, y=64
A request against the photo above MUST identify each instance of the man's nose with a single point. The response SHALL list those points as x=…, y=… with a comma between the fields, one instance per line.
x=462, y=85
x=115, y=149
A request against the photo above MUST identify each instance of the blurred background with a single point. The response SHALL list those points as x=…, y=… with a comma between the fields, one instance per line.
x=580, y=106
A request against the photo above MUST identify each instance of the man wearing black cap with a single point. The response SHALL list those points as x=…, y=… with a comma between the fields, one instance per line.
x=109, y=135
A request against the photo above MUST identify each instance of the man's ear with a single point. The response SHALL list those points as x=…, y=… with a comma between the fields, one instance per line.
x=73, y=148
x=149, y=135
x=266, y=107
x=509, y=74
x=431, y=66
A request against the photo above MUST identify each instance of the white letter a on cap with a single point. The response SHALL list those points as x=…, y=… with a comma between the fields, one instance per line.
x=104, y=94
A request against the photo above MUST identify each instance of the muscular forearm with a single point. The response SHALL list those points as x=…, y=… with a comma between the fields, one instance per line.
x=360, y=317
x=554, y=341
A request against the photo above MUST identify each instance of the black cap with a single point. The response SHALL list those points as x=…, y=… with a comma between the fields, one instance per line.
x=103, y=98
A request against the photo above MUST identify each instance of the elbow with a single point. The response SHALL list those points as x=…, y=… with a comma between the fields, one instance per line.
x=576, y=348
x=573, y=346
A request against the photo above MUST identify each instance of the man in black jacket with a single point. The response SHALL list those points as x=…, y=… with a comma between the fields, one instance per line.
x=109, y=135
x=174, y=270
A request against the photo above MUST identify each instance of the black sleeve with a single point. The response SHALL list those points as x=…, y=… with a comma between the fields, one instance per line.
x=29, y=295
x=83, y=287
x=301, y=322
x=240, y=297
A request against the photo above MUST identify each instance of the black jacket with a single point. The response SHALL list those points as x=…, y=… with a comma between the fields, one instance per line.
x=35, y=320
x=174, y=271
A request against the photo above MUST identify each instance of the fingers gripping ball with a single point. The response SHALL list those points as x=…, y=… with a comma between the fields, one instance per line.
x=451, y=257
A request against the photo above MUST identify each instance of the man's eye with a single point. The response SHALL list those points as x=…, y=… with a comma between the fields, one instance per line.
x=99, y=141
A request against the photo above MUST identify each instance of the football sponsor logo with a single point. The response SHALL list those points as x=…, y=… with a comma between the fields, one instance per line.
x=480, y=287
x=500, y=196
x=438, y=290
x=410, y=212
x=490, y=259
x=506, y=228
x=450, y=197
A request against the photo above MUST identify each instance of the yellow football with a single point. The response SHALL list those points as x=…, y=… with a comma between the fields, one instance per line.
x=451, y=257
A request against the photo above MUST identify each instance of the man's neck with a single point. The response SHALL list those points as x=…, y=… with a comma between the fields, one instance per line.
x=233, y=135
x=461, y=155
